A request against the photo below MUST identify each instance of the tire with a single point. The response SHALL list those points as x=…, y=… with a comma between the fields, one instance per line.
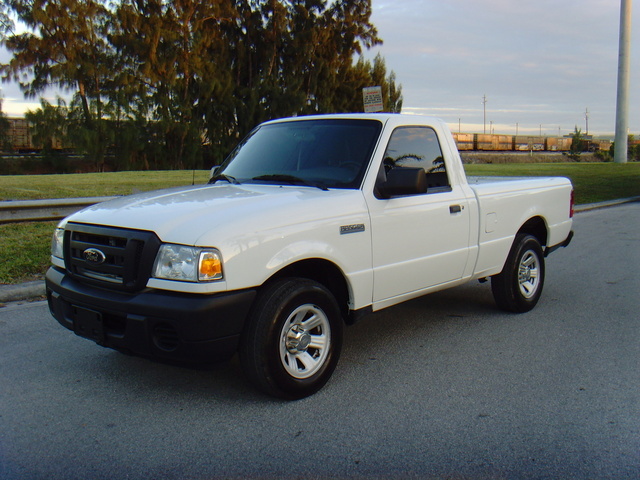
x=293, y=338
x=519, y=286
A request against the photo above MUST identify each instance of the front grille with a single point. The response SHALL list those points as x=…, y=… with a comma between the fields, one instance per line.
x=115, y=258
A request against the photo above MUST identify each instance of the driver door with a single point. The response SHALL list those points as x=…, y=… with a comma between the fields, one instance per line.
x=419, y=241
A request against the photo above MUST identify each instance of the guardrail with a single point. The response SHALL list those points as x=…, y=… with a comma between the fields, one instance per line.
x=41, y=210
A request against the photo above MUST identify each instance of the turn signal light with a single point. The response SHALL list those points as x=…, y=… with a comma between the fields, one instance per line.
x=210, y=266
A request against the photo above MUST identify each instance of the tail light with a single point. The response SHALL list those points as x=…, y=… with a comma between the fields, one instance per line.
x=573, y=199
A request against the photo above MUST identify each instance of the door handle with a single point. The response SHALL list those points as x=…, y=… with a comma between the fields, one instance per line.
x=455, y=208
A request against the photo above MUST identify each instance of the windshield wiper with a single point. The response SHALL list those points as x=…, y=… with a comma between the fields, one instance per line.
x=290, y=179
x=222, y=176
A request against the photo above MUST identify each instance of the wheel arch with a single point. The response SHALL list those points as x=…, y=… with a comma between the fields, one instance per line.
x=324, y=272
x=537, y=227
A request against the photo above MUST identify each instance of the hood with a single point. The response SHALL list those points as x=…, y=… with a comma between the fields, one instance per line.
x=189, y=215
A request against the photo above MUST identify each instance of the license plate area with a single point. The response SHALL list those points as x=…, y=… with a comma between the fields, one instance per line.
x=88, y=324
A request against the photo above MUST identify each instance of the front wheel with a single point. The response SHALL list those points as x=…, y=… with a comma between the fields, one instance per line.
x=519, y=286
x=292, y=341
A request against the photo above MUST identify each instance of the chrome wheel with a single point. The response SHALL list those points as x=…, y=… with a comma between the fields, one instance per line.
x=305, y=341
x=528, y=274
x=292, y=340
x=519, y=286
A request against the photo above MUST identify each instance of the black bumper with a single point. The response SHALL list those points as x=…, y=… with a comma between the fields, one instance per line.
x=567, y=241
x=151, y=323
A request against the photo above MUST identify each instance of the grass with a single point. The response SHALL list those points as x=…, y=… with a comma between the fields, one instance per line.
x=24, y=251
x=24, y=247
x=593, y=182
x=31, y=187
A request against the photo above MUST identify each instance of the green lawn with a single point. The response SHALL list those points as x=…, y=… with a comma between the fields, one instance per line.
x=24, y=251
x=593, y=182
x=24, y=247
x=28, y=187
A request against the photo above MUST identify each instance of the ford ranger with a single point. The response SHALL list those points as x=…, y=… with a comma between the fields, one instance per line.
x=310, y=223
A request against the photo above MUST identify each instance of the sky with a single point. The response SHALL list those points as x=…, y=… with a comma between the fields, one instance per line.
x=540, y=63
x=502, y=66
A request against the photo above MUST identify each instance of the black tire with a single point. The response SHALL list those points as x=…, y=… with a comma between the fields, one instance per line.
x=519, y=286
x=293, y=338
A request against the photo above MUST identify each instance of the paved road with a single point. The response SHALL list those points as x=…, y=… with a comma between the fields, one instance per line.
x=442, y=387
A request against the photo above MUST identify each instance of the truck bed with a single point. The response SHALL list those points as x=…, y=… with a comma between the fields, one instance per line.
x=507, y=201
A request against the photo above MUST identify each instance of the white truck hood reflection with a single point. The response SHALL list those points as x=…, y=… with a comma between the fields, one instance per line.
x=200, y=215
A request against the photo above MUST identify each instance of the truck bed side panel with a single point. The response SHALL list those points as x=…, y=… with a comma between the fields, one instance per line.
x=506, y=204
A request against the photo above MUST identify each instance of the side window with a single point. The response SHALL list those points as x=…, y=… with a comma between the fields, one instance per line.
x=418, y=147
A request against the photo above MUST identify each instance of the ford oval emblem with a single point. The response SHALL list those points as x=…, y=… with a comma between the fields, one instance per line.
x=95, y=256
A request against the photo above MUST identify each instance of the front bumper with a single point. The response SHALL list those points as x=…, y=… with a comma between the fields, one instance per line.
x=151, y=323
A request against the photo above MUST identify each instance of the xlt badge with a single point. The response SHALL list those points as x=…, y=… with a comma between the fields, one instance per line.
x=358, y=227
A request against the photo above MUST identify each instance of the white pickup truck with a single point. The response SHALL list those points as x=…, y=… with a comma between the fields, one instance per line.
x=310, y=223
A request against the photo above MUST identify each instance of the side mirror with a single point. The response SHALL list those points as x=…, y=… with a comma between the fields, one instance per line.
x=403, y=181
x=213, y=171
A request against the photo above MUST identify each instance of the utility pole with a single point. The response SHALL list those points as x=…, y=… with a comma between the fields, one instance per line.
x=622, y=104
x=586, y=119
x=484, y=109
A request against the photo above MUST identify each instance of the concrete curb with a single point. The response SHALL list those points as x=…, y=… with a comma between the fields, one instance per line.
x=23, y=291
x=609, y=203
x=30, y=290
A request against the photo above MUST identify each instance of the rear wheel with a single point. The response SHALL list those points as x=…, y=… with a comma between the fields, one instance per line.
x=293, y=338
x=519, y=286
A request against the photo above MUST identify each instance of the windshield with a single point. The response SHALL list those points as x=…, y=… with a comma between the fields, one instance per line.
x=326, y=153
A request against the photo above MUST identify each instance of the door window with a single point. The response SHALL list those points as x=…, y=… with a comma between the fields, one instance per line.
x=418, y=147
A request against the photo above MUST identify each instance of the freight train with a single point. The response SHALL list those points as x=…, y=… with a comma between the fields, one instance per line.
x=485, y=142
x=20, y=140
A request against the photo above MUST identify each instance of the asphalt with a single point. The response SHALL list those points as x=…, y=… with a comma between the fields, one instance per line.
x=36, y=290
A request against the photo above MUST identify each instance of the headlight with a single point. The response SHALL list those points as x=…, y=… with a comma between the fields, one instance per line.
x=188, y=264
x=56, y=243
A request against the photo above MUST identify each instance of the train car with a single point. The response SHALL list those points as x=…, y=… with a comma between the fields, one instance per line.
x=526, y=143
x=465, y=141
x=521, y=143
x=605, y=145
x=19, y=135
x=495, y=143
x=538, y=144
x=558, y=144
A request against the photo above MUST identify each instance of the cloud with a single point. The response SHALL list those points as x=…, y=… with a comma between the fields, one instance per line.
x=532, y=52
